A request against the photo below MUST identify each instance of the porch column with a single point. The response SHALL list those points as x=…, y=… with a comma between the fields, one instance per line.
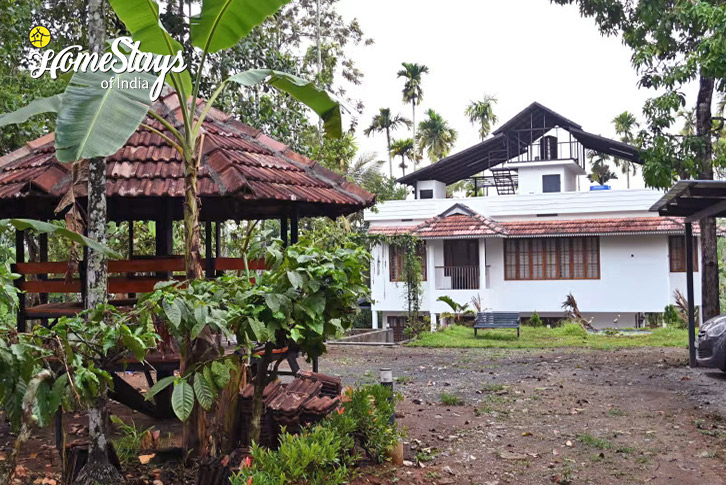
x=482, y=264
x=689, y=290
x=434, y=322
x=431, y=280
x=374, y=318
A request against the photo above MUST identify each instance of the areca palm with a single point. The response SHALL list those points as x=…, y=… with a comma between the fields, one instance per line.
x=482, y=113
x=412, y=91
x=404, y=148
x=384, y=122
x=435, y=136
x=625, y=125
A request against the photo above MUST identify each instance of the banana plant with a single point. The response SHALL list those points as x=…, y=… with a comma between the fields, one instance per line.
x=96, y=122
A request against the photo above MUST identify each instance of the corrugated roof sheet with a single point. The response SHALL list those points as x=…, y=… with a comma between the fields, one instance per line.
x=238, y=161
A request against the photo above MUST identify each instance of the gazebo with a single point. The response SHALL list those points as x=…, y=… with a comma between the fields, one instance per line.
x=244, y=175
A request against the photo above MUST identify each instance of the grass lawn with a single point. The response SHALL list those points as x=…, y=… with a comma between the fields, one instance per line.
x=569, y=335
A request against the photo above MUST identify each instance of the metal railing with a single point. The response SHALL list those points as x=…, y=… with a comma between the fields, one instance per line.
x=457, y=277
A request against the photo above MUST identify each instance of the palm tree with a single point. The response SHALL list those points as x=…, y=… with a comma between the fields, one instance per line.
x=625, y=125
x=412, y=92
x=383, y=121
x=404, y=148
x=599, y=172
x=482, y=113
x=435, y=136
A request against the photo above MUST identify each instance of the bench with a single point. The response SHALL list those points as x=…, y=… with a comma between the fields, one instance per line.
x=494, y=320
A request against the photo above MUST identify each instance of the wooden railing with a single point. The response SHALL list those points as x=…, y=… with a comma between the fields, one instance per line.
x=457, y=277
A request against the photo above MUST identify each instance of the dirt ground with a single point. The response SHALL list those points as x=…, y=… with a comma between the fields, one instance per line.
x=528, y=417
x=550, y=416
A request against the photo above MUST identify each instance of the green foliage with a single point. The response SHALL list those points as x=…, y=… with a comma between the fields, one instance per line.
x=325, y=453
x=85, y=345
x=482, y=113
x=450, y=399
x=535, y=320
x=307, y=295
x=435, y=136
x=599, y=170
x=458, y=311
x=130, y=443
x=673, y=318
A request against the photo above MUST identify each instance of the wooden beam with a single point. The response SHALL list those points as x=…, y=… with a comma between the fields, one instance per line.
x=283, y=231
x=294, y=228
x=710, y=211
x=208, y=236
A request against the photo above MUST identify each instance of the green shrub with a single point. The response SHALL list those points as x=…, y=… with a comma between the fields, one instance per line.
x=130, y=442
x=325, y=453
x=572, y=329
x=451, y=399
x=672, y=317
x=535, y=320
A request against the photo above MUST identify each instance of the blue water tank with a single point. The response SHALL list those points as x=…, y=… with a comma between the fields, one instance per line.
x=599, y=187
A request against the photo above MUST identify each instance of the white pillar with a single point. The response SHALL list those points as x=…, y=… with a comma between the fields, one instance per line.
x=374, y=318
x=434, y=323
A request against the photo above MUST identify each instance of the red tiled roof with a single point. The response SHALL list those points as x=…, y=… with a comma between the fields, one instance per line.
x=573, y=227
x=391, y=230
x=461, y=226
x=238, y=161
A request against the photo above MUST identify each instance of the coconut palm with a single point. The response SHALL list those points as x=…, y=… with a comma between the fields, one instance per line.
x=383, y=121
x=599, y=171
x=412, y=91
x=435, y=136
x=406, y=149
x=482, y=113
x=625, y=125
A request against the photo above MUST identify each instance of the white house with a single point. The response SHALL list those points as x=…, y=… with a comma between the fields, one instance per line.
x=533, y=232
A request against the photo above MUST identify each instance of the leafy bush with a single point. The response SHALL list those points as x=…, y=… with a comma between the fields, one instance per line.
x=131, y=440
x=573, y=329
x=325, y=453
x=673, y=318
x=535, y=320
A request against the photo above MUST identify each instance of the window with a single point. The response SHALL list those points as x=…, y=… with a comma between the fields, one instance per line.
x=426, y=194
x=551, y=183
x=677, y=254
x=395, y=261
x=566, y=258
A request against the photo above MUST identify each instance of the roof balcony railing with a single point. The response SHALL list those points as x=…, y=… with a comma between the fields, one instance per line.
x=457, y=277
x=549, y=148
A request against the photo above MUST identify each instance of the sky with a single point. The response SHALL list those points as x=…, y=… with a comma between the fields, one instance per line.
x=520, y=51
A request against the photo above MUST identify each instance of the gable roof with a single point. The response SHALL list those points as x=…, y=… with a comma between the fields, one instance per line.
x=511, y=140
x=244, y=174
x=459, y=221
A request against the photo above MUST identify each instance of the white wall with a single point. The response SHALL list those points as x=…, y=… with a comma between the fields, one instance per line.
x=634, y=277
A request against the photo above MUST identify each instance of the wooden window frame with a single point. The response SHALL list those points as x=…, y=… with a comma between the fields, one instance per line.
x=589, y=244
x=395, y=262
x=677, y=255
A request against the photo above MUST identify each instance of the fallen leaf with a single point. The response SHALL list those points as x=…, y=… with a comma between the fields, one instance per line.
x=526, y=433
x=568, y=443
x=145, y=459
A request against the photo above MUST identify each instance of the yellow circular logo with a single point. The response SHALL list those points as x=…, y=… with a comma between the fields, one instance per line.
x=39, y=36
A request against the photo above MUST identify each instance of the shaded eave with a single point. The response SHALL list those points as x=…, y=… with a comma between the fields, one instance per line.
x=694, y=200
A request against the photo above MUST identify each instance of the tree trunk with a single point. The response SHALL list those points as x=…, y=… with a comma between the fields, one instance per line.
x=413, y=118
x=709, y=243
x=98, y=469
x=257, y=398
x=192, y=257
x=390, y=157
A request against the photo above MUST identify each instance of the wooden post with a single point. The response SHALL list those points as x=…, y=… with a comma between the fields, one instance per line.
x=689, y=290
x=43, y=250
x=294, y=228
x=164, y=240
x=20, y=258
x=218, y=243
x=131, y=239
x=208, y=235
x=283, y=231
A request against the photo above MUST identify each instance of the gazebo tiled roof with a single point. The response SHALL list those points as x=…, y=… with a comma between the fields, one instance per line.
x=244, y=174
